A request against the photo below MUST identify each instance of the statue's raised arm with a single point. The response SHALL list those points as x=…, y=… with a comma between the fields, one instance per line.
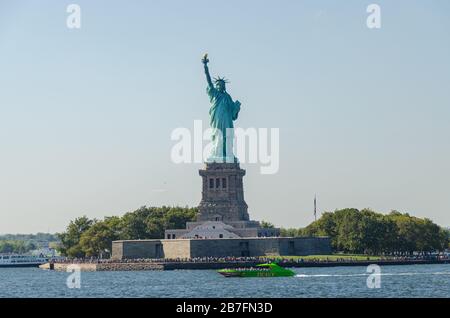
x=205, y=62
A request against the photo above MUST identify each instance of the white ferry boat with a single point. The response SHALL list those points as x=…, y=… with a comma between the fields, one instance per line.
x=17, y=260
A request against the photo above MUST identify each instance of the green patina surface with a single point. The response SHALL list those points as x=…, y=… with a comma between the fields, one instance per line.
x=222, y=113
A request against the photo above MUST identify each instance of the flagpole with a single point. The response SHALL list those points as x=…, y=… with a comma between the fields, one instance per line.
x=315, y=207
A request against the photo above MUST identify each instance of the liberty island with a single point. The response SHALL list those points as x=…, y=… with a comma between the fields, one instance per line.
x=223, y=227
x=221, y=230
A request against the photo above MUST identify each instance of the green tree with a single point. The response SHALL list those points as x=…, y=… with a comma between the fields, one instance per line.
x=70, y=239
x=6, y=247
x=291, y=232
x=267, y=225
x=16, y=246
x=369, y=232
x=134, y=224
x=97, y=240
x=85, y=237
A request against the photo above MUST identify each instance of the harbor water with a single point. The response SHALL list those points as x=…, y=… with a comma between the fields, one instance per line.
x=394, y=281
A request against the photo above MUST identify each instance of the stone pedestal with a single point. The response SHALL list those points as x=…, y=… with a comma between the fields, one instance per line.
x=222, y=210
x=222, y=193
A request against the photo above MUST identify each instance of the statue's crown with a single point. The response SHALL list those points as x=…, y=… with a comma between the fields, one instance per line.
x=219, y=79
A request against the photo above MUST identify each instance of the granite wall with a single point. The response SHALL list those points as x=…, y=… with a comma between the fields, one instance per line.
x=190, y=248
x=133, y=249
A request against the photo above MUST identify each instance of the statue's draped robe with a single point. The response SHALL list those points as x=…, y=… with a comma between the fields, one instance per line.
x=222, y=113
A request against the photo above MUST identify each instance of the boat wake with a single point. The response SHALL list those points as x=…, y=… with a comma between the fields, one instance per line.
x=367, y=274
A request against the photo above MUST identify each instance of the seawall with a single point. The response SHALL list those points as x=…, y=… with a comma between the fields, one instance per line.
x=142, y=266
x=93, y=267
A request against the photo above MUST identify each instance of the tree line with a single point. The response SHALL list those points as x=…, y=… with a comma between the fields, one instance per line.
x=16, y=246
x=86, y=237
x=350, y=230
x=369, y=232
x=23, y=243
x=38, y=237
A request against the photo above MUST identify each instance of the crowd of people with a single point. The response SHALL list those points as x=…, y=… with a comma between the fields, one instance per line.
x=282, y=260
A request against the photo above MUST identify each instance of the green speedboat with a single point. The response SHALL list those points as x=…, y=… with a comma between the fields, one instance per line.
x=263, y=270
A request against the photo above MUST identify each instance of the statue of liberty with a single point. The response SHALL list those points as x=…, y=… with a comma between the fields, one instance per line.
x=222, y=113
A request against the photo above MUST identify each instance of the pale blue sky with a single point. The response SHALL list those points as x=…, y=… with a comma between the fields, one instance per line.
x=86, y=115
